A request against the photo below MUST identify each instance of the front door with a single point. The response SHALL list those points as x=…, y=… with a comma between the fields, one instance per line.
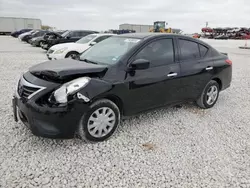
x=196, y=68
x=157, y=85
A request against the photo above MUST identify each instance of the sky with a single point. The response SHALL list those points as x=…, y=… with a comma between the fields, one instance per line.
x=101, y=15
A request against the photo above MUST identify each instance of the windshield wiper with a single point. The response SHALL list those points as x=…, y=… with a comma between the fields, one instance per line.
x=88, y=61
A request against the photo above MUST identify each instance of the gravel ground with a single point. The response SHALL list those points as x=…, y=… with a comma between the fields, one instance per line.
x=186, y=147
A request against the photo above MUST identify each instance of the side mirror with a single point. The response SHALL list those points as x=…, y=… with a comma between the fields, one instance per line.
x=68, y=37
x=92, y=43
x=140, y=64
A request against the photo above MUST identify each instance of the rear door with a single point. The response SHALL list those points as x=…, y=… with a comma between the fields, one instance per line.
x=196, y=67
x=157, y=85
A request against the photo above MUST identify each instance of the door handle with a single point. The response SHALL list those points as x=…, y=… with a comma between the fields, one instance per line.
x=172, y=74
x=209, y=68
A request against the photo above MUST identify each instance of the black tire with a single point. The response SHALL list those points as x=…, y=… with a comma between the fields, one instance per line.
x=72, y=55
x=83, y=131
x=202, y=101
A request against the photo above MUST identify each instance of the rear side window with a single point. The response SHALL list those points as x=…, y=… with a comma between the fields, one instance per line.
x=189, y=50
x=203, y=50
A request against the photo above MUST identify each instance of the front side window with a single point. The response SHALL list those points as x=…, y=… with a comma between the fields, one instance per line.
x=160, y=52
x=189, y=50
x=66, y=33
x=75, y=34
x=109, y=51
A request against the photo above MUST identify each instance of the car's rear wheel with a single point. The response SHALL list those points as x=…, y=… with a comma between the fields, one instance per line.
x=100, y=122
x=72, y=55
x=209, y=95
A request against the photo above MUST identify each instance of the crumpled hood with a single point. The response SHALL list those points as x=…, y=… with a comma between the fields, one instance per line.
x=60, y=69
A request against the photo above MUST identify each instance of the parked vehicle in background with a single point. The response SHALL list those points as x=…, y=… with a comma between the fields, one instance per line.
x=68, y=36
x=120, y=76
x=39, y=33
x=196, y=35
x=222, y=37
x=19, y=32
x=71, y=50
x=39, y=41
x=20, y=37
x=11, y=24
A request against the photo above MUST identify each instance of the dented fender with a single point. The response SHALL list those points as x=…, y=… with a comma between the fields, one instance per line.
x=94, y=88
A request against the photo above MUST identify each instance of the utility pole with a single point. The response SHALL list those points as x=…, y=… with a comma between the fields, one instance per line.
x=206, y=24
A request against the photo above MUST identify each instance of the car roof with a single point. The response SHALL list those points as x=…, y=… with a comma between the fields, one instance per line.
x=83, y=30
x=102, y=34
x=146, y=35
x=153, y=35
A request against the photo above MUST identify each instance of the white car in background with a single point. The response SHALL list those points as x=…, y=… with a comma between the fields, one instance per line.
x=71, y=50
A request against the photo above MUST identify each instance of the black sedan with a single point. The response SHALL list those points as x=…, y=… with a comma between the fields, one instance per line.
x=120, y=76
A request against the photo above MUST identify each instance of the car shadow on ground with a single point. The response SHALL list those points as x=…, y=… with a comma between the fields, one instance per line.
x=126, y=125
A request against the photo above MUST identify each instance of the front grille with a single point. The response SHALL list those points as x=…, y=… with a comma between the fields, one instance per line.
x=26, y=90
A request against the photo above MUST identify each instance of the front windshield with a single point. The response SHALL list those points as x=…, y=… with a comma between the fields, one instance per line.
x=65, y=33
x=86, y=39
x=109, y=51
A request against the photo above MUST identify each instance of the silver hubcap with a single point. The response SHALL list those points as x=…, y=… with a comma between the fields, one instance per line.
x=212, y=94
x=101, y=122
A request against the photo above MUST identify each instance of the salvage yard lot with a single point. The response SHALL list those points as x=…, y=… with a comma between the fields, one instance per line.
x=178, y=147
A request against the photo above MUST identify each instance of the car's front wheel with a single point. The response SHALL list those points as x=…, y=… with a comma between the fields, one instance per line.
x=100, y=122
x=209, y=95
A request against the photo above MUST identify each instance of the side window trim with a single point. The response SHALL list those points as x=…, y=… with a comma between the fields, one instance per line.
x=190, y=40
x=145, y=44
x=179, y=49
x=200, y=50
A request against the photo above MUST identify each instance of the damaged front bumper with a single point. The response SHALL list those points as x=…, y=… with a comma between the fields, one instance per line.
x=48, y=121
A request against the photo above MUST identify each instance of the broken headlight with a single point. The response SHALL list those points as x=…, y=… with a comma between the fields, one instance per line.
x=69, y=88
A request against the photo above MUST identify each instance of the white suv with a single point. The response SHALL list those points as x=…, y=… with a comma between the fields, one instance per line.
x=70, y=50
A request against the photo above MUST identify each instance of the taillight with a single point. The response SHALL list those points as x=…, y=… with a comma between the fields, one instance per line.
x=229, y=62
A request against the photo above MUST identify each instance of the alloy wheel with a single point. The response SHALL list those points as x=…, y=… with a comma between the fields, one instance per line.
x=212, y=94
